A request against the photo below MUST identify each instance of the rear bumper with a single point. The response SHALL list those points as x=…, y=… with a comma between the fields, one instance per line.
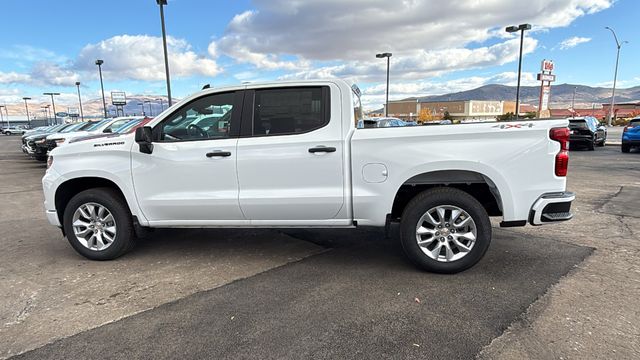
x=580, y=139
x=551, y=208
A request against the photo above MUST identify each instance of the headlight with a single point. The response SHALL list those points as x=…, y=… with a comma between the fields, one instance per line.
x=41, y=141
x=59, y=141
x=49, y=161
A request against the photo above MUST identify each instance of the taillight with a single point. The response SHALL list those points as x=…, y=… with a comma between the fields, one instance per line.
x=561, y=135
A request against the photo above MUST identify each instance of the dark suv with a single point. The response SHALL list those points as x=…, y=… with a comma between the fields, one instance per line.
x=587, y=131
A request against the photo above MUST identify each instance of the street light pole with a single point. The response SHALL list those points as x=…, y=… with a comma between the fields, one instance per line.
x=388, y=56
x=55, y=116
x=161, y=105
x=27, y=108
x=142, y=107
x=511, y=29
x=150, y=110
x=161, y=3
x=573, y=101
x=104, y=103
x=6, y=112
x=615, y=75
x=80, y=100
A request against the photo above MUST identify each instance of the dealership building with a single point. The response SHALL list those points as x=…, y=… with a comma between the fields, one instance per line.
x=410, y=109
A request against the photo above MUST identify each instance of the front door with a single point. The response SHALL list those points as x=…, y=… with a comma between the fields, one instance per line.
x=190, y=177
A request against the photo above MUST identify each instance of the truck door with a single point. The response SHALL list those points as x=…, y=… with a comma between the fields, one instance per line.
x=290, y=154
x=190, y=176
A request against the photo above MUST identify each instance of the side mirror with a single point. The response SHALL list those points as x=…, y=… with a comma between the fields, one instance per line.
x=108, y=130
x=144, y=139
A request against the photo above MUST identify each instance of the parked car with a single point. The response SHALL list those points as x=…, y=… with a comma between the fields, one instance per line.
x=127, y=128
x=13, y=130
x=41, y=147
x=294, y=159
x=106, y=126
x=587, y=131
x=631, y=135
x=383, y=122
x=29, y=141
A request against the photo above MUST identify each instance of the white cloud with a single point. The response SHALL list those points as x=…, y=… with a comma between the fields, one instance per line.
x=14, y=77
x=422, y=63
x=53, y=74
x=573, y=42
x=351, y=32
x=140, y=57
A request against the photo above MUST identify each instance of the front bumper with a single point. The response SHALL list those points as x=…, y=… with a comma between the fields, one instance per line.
x=551, y=208
x=634, y=143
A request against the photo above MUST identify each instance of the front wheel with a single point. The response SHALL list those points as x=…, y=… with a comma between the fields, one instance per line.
x=626, y=148
x=98, y=224
x=445, y=230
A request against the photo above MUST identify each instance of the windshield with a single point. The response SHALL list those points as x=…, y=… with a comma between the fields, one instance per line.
x=97, y=124
x=126, y=127
x=72, y=127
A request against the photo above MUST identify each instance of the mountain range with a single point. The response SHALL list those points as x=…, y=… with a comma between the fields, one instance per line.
x=561, y=95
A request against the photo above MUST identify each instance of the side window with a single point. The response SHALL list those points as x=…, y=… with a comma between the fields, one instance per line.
x=290, y=110
x=206, y=118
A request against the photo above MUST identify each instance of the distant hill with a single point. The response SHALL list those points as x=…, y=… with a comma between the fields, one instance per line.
x=561, y=95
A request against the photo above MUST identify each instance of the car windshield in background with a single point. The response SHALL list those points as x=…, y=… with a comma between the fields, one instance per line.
x=97, y=125
x=126, y=127
x=73, y=127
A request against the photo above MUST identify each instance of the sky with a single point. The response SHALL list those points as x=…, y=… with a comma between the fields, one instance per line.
x=438, y=46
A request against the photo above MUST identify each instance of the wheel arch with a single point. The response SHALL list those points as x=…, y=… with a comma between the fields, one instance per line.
x=69, y=188
x=482, y=187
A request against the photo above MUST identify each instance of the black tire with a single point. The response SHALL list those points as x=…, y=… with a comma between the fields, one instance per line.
x=591, y=146
x=625, y=148
x=601, y=143
x=429, y=199
x=124, y=239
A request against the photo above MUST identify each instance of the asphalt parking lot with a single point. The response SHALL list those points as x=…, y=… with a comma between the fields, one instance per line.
x=562, y=291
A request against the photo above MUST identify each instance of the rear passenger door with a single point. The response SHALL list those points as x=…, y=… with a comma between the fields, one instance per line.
x=290, y=155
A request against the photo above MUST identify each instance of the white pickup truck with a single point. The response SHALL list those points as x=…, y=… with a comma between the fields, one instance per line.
x=289, y=155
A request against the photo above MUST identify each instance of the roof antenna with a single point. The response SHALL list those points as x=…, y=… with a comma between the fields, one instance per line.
x=206, y=86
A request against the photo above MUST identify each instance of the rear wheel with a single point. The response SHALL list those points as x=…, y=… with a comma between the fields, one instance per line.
x=445, y=230
x=625, y=148
x=98, y=224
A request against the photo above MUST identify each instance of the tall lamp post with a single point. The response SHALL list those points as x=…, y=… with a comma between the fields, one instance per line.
x=573, y=101
x=142, y=107
x=2, y=117
x=104, y=103
x=161, y=104
x=512, y=29
x=6, y=113
x=55, y=116
x=45, y=110
x=388, y=56
x=150, y=110
x=26, y=107
x=80, y=100
x=615, y=75
x=162, y=3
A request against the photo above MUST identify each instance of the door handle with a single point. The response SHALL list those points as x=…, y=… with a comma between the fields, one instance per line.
x=321, y=148
x=218, y=153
